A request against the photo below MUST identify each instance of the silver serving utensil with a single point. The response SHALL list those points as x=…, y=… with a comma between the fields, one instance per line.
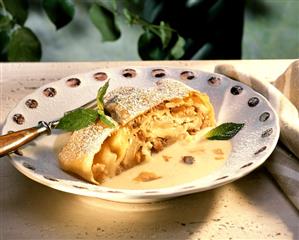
x=14, y=140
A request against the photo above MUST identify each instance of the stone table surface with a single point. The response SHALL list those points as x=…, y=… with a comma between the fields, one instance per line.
x=252, y=207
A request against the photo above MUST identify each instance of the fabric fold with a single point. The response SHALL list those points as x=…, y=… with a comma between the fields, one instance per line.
x=284, y=97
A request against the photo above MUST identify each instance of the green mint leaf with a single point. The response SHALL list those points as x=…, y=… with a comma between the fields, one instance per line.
x=18, y=9
x=165, y=33
x=24, y=46
x=60, y=12
x=77, y=119
x=100, y=97
x=100, y=102
x=104, y=119
x=104, y=20
x=224, y=131
x=82, y=118
x=178, y=50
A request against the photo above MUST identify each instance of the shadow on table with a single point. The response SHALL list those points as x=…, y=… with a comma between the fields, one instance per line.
x=254, y=188
x=70, y=216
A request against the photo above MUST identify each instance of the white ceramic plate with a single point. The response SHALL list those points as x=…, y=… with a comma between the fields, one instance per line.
x=233, y=102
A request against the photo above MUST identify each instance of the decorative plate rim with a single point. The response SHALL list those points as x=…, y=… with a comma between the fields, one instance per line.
x=166, y=192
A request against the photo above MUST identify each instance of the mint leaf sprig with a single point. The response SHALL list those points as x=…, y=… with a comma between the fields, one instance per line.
x=77, y=119
x=224, y=131
x=100, y=102
x=81, y=118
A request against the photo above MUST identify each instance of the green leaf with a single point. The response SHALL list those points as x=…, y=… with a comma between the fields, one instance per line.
x=82, y=118
x=224, y=131
x=100, y=97
x=128, y=16
x=178, y=50
x=150, y=47
x=4, y=40
x=77, y=119
x=114, y=5
x=18, y=9
x=165, y=33
x=60, y=12
x=6, y=22
x=104, y=20
x=100, y=102
x=104, y=119
x=24, y=46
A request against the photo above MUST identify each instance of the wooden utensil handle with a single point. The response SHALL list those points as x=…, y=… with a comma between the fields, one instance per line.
x=12, y=141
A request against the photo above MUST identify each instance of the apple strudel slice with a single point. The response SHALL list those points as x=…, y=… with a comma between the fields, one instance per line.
x=146, y=120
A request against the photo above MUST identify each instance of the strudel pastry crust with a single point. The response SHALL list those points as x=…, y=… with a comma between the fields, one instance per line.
x=147, y=120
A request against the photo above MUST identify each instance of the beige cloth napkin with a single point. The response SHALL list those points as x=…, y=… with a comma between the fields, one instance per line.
x=284, y=97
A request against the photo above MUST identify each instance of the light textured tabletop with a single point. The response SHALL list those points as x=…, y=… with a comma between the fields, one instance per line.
x=250, y=208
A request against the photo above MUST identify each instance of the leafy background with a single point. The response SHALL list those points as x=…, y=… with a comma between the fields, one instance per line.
x=67, y=30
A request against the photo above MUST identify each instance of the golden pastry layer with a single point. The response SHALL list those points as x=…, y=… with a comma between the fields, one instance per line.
x=147, y=121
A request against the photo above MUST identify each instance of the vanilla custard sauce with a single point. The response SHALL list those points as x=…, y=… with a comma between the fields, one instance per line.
x=169, y=168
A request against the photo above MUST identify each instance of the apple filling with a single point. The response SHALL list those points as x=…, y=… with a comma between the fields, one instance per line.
x=150, y=132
